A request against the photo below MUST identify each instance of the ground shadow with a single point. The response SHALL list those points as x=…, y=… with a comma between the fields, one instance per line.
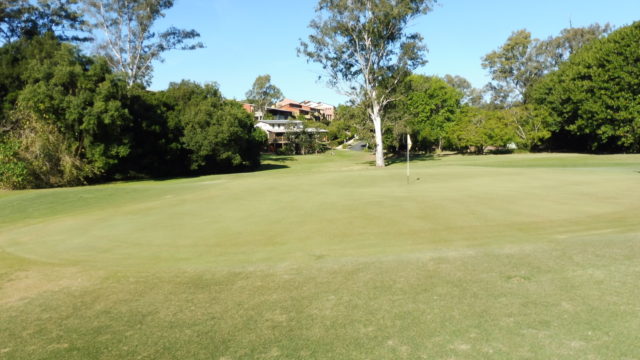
x=277, y=158
x=133, y=178
x=396, y=159
x=267, y=167
x=267, y=162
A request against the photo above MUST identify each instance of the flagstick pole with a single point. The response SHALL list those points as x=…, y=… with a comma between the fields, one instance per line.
x=408, y=148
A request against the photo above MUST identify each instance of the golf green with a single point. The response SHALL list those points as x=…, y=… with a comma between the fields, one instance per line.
x=327, y=257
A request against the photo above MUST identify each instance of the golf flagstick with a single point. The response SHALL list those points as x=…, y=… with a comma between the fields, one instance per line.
x=408, y=149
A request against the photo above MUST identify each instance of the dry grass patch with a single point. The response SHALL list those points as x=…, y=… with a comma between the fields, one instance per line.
x=24, y=285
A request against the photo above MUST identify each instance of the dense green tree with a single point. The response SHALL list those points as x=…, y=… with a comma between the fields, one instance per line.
x=218, y=134
x=37, y=154
x=263, y=94
x=156, y=149
x=596, y=94
x=67, y=119
x=428, y=107
x=341, y=131
x=67, y=106
x=354, y=121
x=363, y=45
x=15, y=58
x=83, y=99
x=476, y=129
x=532, y=125
x=14, y=173
x=130, y=42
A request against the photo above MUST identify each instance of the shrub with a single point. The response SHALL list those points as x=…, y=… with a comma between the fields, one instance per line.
x=13, y=172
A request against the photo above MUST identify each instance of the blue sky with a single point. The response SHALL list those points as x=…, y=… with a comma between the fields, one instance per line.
x=247, y=38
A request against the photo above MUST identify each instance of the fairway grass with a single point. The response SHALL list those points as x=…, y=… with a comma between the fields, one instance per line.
x=532, y=256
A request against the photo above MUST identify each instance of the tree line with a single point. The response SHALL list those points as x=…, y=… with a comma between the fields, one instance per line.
x=68, y=118
x=577, y=91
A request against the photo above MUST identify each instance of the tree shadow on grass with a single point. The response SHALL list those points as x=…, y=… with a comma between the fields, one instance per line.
x=397, y=159
x=267, y=162
x=267, y=167
x=277, y=158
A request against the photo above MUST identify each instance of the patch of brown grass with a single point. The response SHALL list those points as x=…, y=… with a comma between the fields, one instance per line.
x=25, y=285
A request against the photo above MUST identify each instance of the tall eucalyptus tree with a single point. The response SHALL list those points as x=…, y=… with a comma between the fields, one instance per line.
x=365, y=50
x=128, y=38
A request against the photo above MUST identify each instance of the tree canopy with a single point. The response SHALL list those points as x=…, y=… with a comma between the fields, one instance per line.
x=513, y=67
x=27, y=19
x=522, y=60
x=68, y=119
x=596, y=94
x=470, y=96
x=263, y=93
x=365, y=50
x=128, y=40
x=217, y=134
x=427, y=106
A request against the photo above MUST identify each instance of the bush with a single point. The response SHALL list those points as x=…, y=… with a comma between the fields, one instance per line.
x=38, y=155
x=13, y=172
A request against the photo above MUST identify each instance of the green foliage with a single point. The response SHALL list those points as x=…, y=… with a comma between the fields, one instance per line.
x=218, y=134
x=65, y=110
x=155, y=143
x=263, y=94
x=67, y=120
x=268, y=116
x=41, y=156
x=532, y=125
x=128, y=40
x=470, y=95
x=16, y=59
x=340, y=131
x=351, y=121
x=595, y=95
x=518, y=64
x=513, y=67
x=13, y=171
x=364, y=45
x=557, y=50
x=427, y=108
x=259, y=138
x=478, y=128
x=342, y=25
x=304, y=141
x=29, y=19
x=83, y=100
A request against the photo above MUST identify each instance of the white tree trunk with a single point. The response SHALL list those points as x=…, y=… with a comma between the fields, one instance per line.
x=377, y=126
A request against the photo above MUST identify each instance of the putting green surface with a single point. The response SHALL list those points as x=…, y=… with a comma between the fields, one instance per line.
x=325, y=256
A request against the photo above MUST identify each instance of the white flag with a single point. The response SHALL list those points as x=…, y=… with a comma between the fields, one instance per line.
x=409, y=143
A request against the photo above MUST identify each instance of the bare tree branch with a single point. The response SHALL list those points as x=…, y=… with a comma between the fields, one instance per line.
x=129, y=43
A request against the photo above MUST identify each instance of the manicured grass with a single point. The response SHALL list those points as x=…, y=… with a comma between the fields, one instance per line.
x=326, y=257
